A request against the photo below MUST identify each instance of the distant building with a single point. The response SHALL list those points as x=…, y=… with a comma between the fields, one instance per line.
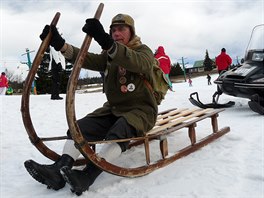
x=198, y=66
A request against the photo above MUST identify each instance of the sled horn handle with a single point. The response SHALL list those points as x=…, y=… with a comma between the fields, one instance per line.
x=26, y=93
x=72, y=84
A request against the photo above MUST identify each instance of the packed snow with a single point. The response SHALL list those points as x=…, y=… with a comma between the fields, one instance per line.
x=230, y=167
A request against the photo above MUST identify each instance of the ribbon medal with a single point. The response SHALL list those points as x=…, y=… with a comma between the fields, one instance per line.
x=123, y=88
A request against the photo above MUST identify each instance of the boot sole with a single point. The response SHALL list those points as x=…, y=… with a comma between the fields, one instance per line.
x=38, y=177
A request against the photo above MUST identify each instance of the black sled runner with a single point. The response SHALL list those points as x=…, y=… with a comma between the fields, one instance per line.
x=196, y=101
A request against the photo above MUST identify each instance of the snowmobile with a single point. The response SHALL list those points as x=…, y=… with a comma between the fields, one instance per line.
x=245, y=80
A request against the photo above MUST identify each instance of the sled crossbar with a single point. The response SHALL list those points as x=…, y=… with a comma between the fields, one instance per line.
x=44, y=139
x=171, y=121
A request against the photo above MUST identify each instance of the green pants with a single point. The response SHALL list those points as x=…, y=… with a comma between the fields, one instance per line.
x=170, y=84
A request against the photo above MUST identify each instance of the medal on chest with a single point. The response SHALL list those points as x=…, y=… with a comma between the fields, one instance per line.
x=123, y=80
x=122, y=71
x=123, y=88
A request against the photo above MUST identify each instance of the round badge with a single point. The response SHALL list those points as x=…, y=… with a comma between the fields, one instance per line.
x=122, y=80
x=131, y=87
x=122, y=71
x=123, y=88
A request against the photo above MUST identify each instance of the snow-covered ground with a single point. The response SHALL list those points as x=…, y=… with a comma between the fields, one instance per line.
x=230, y=167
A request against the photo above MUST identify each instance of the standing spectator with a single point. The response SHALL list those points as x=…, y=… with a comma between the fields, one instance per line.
x=57, y=60
x=209, y=79
x=164, y=63
x=3, y=83
x=223, y=61
x=190, y=82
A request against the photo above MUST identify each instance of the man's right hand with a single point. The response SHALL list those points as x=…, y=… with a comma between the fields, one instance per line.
x=56, y=40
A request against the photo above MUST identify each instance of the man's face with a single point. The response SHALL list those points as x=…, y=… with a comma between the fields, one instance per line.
x=121, y=33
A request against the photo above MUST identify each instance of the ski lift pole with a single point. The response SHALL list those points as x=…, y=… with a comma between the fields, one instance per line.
x=183, y=67
x=33, y=87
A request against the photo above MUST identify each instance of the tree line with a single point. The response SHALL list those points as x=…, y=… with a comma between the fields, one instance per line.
x=43, y=79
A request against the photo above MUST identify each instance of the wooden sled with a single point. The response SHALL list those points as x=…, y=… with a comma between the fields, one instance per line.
x=168, y=122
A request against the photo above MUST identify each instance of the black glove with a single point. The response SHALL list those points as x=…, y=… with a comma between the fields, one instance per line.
x=94, y=28
x=56, y=40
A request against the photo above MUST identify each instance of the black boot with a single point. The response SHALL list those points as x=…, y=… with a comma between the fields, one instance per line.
x=49, y=174
x=55, y=97
x=80, y=180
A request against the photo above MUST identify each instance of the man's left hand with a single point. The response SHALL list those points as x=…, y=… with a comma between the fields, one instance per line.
x=94, y=28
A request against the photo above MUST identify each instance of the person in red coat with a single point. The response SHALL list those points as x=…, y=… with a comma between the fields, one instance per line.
x=3, y=83
x=223, y=61
x=164, y=62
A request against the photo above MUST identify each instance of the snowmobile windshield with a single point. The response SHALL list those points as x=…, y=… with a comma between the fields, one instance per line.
x=257, y=38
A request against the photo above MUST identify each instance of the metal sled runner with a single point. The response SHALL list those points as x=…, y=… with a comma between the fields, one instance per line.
x=168, y=122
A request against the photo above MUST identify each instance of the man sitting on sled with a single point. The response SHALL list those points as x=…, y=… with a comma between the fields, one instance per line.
x=131, y=108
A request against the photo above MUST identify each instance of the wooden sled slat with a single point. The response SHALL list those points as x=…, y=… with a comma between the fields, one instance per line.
x=175, y=114
x=169, y=113
x=194, y=113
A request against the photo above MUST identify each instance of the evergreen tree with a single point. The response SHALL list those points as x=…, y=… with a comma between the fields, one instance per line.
x=176, y=70
x=44, y=80
x=208, y=63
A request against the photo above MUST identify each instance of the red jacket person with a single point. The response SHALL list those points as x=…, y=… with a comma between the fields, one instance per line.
x=3, y=83
x=164, y=62
x=223, y=61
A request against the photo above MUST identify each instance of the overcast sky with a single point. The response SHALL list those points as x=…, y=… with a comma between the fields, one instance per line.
x=185, y=28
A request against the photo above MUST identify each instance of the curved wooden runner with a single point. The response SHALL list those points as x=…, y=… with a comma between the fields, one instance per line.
x=72, y=84
x=35, y=140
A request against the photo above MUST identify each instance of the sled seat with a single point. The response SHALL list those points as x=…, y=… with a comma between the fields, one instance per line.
x=172, y=120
